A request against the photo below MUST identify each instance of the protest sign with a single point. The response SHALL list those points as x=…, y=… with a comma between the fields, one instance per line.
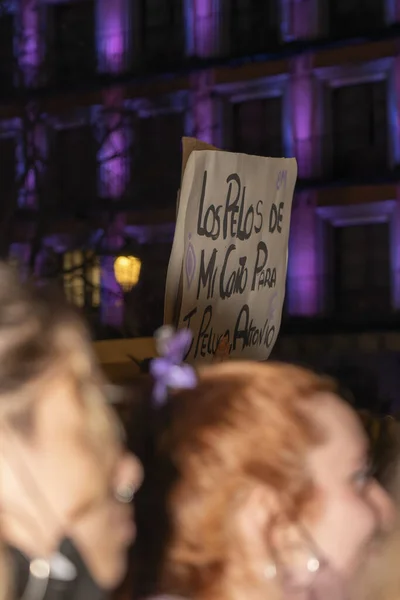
x=227, y=271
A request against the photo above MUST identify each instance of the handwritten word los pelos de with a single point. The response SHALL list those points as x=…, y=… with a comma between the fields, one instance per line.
x=246, y=333
x=234, y=275
x=234, y=218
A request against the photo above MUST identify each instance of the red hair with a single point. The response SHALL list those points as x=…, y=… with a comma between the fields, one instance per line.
x=243, y=422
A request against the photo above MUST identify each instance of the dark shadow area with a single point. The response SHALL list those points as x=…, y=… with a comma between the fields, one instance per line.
x=146, y=429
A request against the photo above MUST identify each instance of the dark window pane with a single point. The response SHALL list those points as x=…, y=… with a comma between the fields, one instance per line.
x=75, y=169
x=257, y=127
x=254, y=25
x=162, y=32
x=362, y=256
x=74, y=41
x=157, y=160
x=351, y=17
x=7, y=59
x=8, y=173
x=360, y=143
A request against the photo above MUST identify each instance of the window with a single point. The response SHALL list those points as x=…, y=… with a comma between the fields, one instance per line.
x=8, y=174
x=82, y=274
x=360, y=130
x=7, y=59
x=257, y=127
x=352, y=17
x=162, y=34
x=18, y=258
x=75, y=169
x=73, y=47
x=362, y=270
x=157, y=160
x=254, y=26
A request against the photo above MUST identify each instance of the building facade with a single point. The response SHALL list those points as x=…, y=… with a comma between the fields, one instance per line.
x=95, y=96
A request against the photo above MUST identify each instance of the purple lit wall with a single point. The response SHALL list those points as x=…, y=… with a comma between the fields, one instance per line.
x=395, y=253
x=203, y=116
x=30, y=62
x=394, y=119
x=112, y=35
x=304, y=281
x=113, y=49
x=202, y=18
x=299, y=19
x=30, y=47
x=202, y=23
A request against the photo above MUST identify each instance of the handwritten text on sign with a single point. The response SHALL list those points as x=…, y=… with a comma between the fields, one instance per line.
x=234, y=230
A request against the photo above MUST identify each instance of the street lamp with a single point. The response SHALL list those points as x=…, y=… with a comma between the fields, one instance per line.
x=127, y=271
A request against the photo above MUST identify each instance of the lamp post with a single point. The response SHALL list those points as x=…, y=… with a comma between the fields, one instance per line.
x=127, y=271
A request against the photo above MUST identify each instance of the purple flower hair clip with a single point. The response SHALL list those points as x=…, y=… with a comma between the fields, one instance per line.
x=169, y=371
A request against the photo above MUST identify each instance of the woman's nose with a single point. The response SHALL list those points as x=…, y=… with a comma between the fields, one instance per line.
x=129, y=477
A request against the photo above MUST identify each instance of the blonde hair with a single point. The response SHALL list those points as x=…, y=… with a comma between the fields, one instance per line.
x=41, y=335
x=244, y=421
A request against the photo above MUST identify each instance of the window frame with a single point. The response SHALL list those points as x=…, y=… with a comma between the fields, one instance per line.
x=358, y=214
x=167, y=104
x=263, y=88
x=88, y=288
x=52, y=66
x=79, y=117
x=329, y=78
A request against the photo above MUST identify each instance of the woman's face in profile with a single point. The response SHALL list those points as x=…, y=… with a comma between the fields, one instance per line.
x=352, y=508
x=65, y=482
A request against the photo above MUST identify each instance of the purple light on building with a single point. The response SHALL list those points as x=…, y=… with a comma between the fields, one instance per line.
x=113, y=161
x=29, y=42
x=203, y=108
x=303, y=281
x=29, y=57
x=393, y=106
x=303, y=116
x=112, y=51
x=299, y=19
x=112, y=40
x=205, y=26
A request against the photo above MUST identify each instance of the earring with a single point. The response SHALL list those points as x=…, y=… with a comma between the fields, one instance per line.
x=125, y=493
x=313, y=564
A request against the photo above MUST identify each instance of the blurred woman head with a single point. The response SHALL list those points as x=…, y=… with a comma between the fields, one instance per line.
x=274, y=493
x=65, y=478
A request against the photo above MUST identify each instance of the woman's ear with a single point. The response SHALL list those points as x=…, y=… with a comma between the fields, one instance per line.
x=255, y=509
x=293, y=553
